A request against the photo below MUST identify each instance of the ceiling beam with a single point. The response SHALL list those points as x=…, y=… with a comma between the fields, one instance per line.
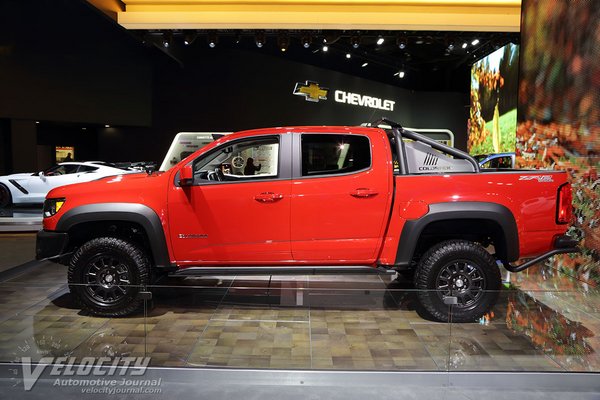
x=449, y=15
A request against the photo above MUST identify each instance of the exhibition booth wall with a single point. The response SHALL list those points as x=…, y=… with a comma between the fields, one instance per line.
x=103, y=76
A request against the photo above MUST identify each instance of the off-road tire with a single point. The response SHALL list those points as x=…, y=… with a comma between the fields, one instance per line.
x=5, y=196
x=128, y=257
x=442, y=260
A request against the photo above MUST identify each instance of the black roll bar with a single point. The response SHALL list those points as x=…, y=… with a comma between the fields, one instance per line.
x=400, y=132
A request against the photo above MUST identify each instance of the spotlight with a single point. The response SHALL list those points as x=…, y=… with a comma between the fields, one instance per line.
x=167, y=39
x=325, y=48
x=365, y=64
x=260, y=39
x=189, y=38
x=306, y=40
x=464, y=45
x=283, y=41
x=37, y=122
x=348, y=55
x=380, y=41
x=238, y=38
x=401, y=74
x=212, y=40
x=401, y=41
x=107, y=126
x=355, y=41
x=450, y=44
x=474, y=42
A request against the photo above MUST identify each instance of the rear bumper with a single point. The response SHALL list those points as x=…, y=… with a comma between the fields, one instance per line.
x=50, y=245
x=562, y=244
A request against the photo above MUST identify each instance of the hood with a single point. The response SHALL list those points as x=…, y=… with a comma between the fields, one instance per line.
x=18, y=176
x=127, y=187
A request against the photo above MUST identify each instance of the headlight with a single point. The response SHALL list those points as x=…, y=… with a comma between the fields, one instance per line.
x=52, y=206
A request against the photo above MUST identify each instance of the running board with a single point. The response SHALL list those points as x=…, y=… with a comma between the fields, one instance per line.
x=297, y=270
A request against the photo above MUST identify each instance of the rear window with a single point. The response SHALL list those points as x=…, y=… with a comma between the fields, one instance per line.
x=334, y=154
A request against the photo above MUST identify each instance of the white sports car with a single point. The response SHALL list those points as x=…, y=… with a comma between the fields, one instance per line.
x=32, y=188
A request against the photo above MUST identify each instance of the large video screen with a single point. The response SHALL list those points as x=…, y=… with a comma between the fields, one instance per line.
x=559, y=112
x=493, y=114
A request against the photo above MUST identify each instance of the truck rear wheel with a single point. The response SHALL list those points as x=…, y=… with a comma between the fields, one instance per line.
x=106, y=274
x=461, y=269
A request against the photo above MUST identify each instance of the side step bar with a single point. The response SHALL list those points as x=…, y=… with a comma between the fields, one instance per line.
x=563, y=244
x=295, y=270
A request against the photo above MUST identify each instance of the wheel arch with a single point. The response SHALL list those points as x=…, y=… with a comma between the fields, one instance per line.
x=127, y=213
x=460, y=219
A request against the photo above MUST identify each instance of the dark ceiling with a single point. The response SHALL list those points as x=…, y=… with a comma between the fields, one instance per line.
x=417, y=60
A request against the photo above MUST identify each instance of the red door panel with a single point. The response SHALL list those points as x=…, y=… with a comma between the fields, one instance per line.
x=341, y=218
x=235, y=223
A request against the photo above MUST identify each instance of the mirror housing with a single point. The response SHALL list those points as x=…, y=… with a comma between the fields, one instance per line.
x=186, y=176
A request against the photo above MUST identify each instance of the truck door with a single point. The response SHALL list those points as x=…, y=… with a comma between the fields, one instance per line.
x=340, y=197
x=238, y=209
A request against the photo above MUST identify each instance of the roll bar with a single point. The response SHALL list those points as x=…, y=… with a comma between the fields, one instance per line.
x=400, y=133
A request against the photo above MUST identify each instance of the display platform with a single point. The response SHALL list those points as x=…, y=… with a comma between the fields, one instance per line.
x=21, y=219
x=348, y=323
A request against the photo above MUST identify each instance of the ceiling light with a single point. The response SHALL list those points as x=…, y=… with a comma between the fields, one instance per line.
x=37, y=122
x=355, y=41
x=419, y=41
x=325, y=48
x=464, y=45
x=401, y=41
x=401, y=74
x=84, y=128
x=167, y=39
x=474, y=42
x=107, y=126
x=380, y=41
x=283, y=41
x=365, y=64
x=189, y=38
x=348, y=55
x=238, y=38
x=306, y=40
x=212, y=40
x=260, y=39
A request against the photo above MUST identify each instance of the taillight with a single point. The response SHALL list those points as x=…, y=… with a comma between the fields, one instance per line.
x=564, y=209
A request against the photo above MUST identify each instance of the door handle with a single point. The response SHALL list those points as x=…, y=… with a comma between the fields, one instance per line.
x=364, y=192
x=268, y=197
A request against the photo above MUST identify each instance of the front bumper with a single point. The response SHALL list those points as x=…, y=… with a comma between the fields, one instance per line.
x=562, y=244
x=50, y=245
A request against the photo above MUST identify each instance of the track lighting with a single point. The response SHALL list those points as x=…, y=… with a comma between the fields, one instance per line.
x=402, y=42
x=260, y=39
x=167, y=39
x=212, y=40
x=283, y=41
x=355, y=41
x=306, y=40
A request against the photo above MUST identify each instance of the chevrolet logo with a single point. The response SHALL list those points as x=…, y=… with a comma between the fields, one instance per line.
x=311, y=91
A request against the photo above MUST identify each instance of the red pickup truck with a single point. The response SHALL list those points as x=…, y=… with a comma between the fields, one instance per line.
x=310, y=200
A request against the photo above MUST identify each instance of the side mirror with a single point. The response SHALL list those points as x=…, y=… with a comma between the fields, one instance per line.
x=186, y=176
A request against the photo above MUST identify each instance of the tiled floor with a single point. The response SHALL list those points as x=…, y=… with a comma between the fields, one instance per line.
x=304, y=322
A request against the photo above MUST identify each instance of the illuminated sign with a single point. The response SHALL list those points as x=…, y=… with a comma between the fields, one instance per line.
x=364, y=101
x=311, y=91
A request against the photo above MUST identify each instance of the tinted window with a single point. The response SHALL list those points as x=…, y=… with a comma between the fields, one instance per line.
x=334, y=154
x=499, y=162
x=87, y=168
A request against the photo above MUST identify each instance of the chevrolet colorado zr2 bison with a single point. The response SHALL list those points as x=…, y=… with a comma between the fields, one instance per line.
x=310, y=200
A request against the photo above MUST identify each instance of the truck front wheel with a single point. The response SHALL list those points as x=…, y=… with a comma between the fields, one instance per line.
x=106, y=275
x=457, y=269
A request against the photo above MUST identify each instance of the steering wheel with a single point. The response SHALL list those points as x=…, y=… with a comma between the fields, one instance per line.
x=238, y=162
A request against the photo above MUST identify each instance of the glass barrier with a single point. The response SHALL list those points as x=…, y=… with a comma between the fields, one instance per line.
x=328, y=322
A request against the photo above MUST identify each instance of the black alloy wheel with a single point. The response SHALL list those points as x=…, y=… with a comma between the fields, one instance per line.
x=463, y=280
x=107, y=279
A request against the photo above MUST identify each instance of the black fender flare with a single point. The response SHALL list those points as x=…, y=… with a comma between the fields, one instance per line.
x=127, y=212
x=411, y=232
